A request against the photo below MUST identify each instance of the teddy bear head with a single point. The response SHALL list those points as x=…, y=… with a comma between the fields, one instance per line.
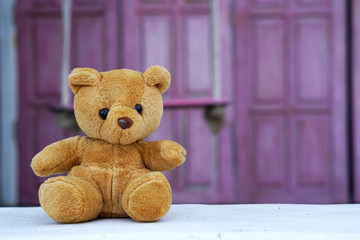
x=119, y=106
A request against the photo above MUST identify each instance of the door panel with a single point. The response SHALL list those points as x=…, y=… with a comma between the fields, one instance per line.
x=291, y=100
x=196, y=47
x=268, y=36
x=268, y=141
x=155, y=29
x=312, y=57
x=312, y=151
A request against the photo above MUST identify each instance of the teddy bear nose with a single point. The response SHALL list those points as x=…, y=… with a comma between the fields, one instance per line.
x=125, y=122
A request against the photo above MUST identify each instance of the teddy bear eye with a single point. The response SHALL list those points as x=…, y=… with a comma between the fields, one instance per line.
x=103, y=113
x=138, y=108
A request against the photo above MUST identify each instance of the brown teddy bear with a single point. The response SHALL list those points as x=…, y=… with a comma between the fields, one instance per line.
x=114, y=172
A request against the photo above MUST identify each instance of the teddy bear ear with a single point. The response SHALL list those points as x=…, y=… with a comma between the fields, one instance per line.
x=80, y=77
x=158, y=76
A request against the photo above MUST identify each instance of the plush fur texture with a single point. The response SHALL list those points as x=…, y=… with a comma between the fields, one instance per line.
x=113, y=172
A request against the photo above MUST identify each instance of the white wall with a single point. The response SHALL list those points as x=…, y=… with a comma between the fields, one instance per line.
x=8, y=105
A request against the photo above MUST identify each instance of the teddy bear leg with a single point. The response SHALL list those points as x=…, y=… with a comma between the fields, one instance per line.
x=70, y=199
x=147, y=198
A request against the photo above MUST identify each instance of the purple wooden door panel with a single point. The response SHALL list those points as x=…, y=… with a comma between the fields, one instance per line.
x=40, y=37
x=177, y=35
x=95, y=34
x=291, y=101
x=356, y=96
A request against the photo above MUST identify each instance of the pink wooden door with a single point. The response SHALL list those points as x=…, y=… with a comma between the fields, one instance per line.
x=94, y=44
x=291, y=99
x=177, y=35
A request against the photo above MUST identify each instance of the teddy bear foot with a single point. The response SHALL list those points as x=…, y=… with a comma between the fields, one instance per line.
x=70, y=199
x=148, y=198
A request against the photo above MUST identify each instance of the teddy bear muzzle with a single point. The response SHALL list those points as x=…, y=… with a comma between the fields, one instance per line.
x=125, y=122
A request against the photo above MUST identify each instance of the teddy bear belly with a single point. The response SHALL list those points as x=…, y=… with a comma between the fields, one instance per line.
x=111, y=182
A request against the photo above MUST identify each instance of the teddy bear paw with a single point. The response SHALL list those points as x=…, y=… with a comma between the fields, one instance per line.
x=173, y=152
x=69, y=199
x=148, y=198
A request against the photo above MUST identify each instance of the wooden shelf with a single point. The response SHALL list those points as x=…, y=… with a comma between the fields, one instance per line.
x=168, y=104
x=194, y=103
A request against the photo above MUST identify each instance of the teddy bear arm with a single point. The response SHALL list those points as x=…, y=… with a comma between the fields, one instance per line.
x=162, y=155
x=58, y=157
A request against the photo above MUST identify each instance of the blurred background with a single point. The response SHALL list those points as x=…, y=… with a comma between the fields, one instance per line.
x=264, y=95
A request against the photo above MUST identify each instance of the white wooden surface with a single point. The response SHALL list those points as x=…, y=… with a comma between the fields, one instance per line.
x=262, y=221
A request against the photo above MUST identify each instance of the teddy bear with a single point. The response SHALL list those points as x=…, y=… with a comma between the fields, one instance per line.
x=112, y=171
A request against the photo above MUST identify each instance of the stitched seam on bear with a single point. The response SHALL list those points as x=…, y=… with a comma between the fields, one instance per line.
x=141, y=151
x=87, y=144
x=112, y=180
x=98, y=188
x=103, y=100
x=120, y=136
x=77, y=150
